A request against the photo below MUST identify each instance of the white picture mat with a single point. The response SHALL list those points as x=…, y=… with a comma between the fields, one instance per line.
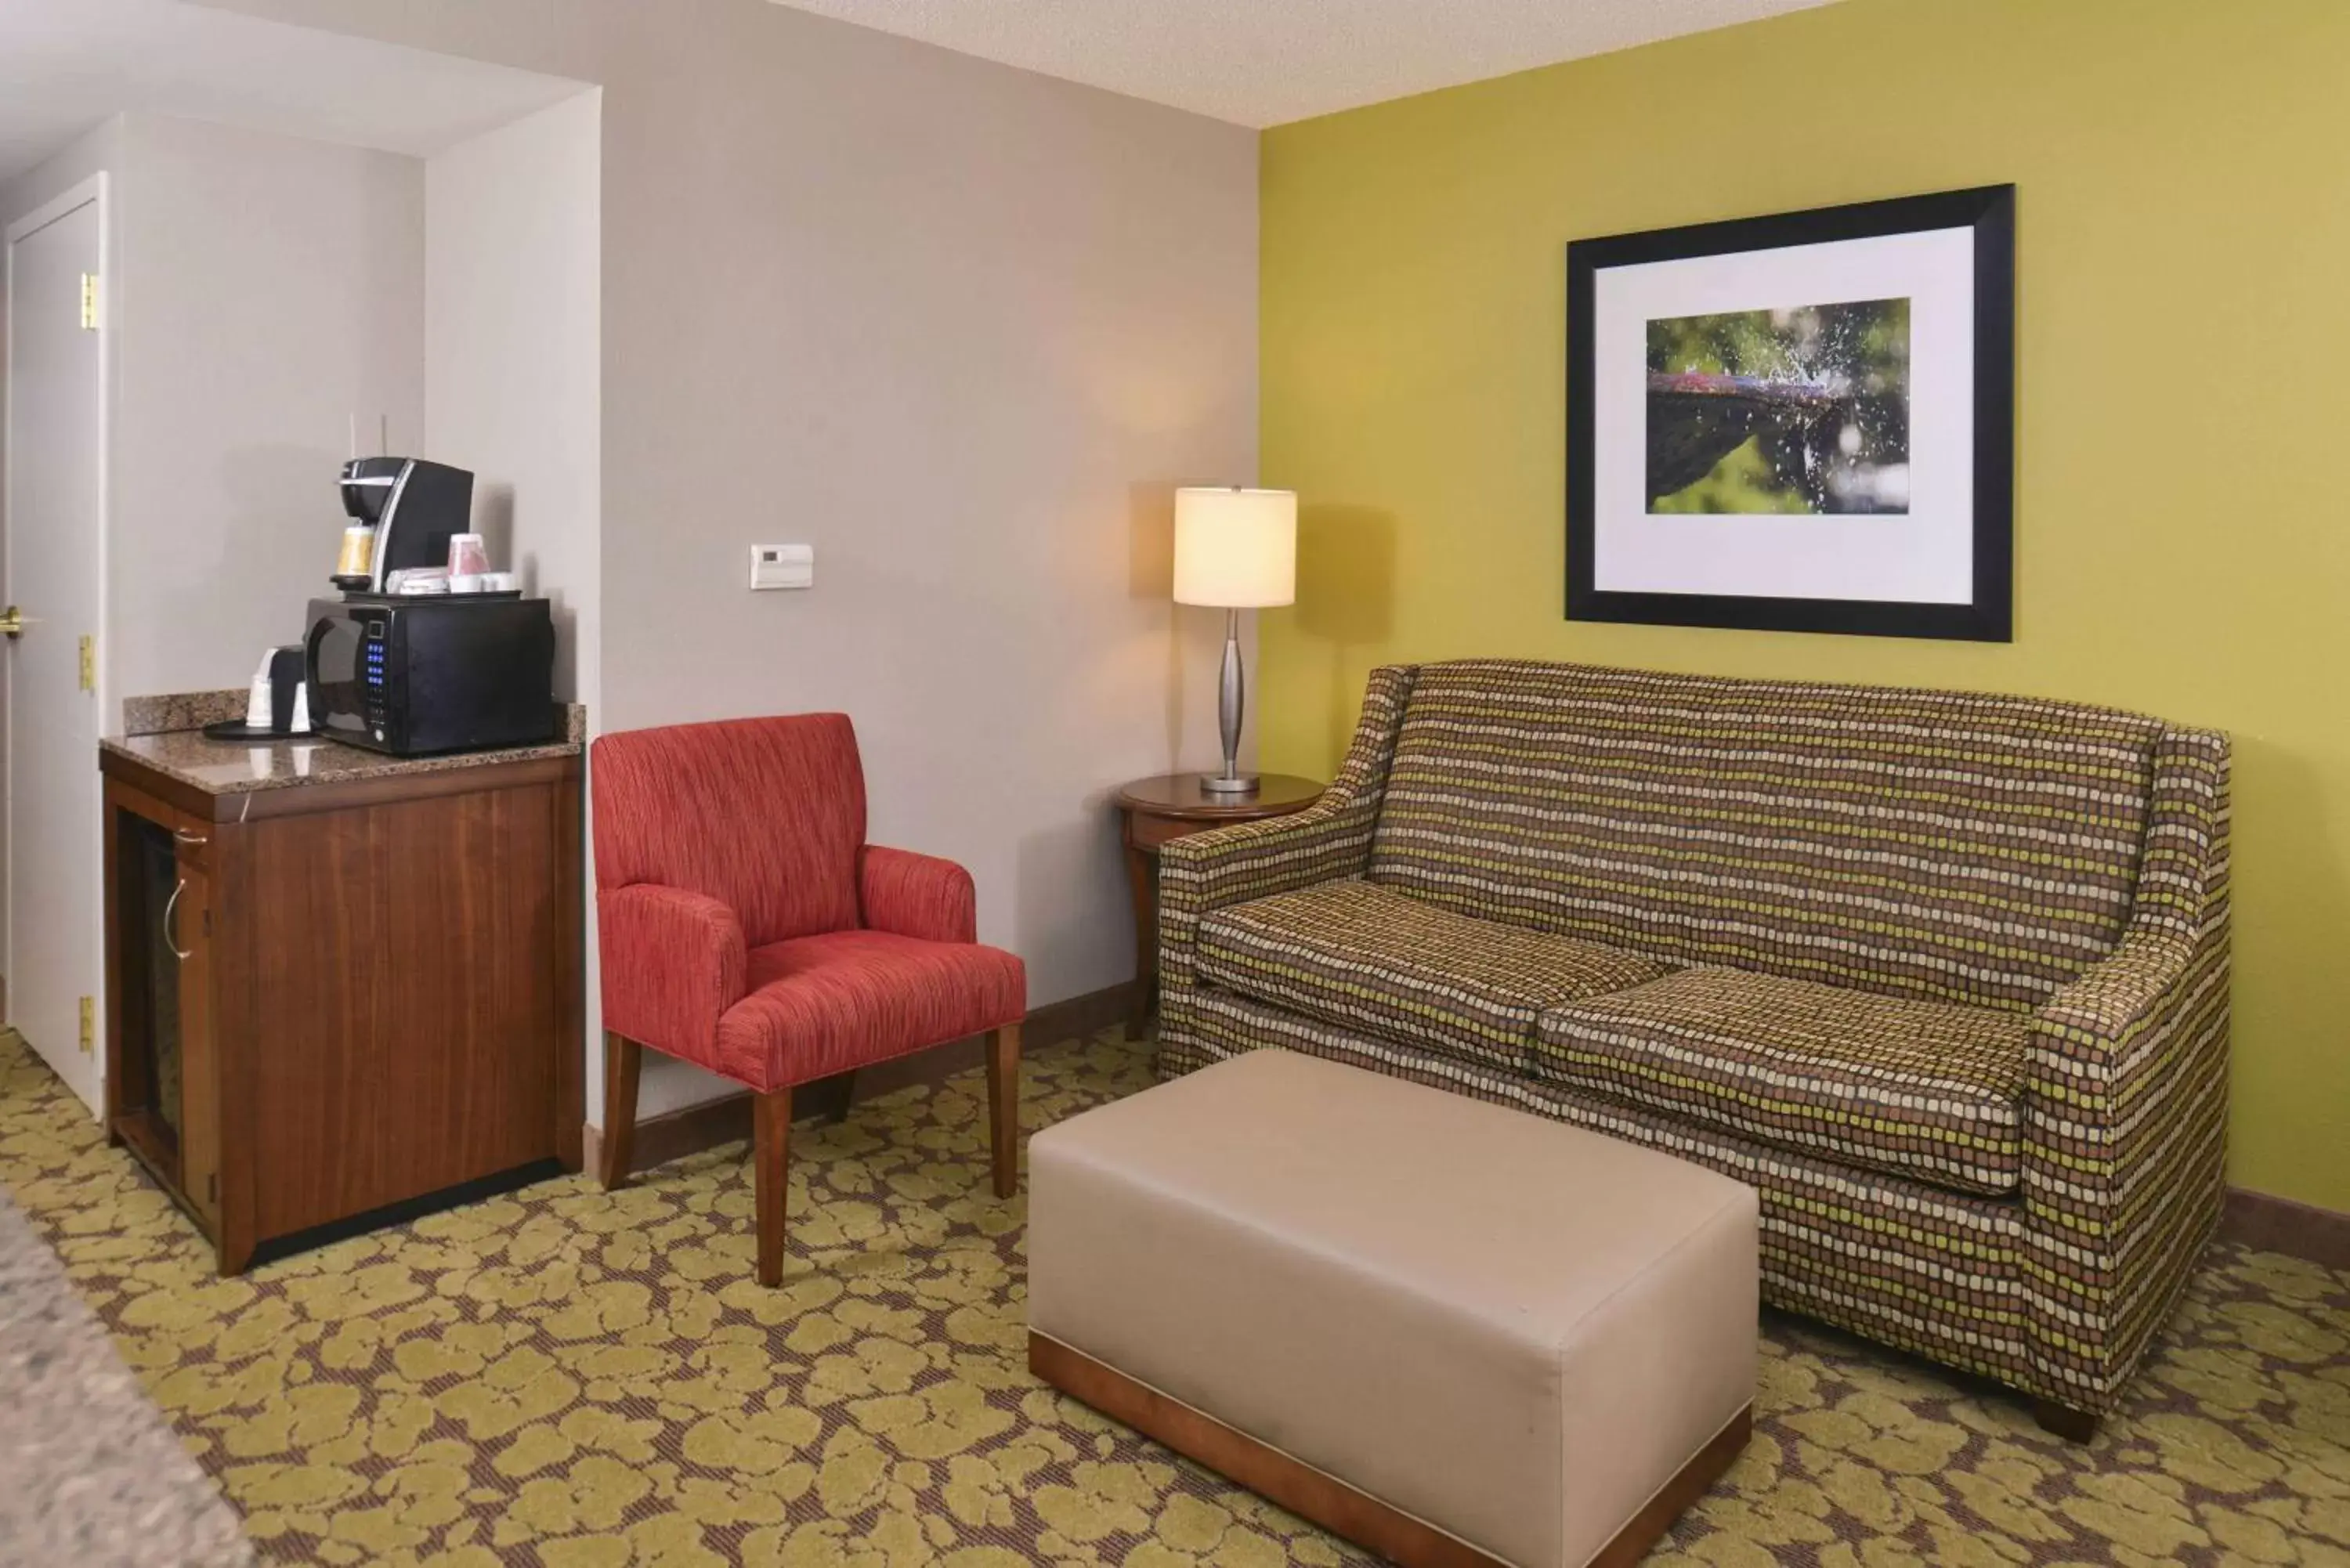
x=1925, y=557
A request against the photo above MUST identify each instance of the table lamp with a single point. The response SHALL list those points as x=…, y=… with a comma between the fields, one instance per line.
x=1234, y=549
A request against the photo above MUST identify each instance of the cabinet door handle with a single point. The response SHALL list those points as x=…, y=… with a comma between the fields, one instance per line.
x=172, y=936
x=185, y=836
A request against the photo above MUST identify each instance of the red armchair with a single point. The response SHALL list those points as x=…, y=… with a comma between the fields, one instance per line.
x=747, y=927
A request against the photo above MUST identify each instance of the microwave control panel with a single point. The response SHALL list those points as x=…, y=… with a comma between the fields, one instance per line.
x=375, y=642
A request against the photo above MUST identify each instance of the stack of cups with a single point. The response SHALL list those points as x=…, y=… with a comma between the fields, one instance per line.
x=468, y=562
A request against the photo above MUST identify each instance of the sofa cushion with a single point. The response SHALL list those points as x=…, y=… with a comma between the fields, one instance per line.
x=1926, y=1089
x=1347, y=952
x=1925, y=843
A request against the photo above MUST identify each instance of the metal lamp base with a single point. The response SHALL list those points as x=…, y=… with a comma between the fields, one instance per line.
x=1231, y=784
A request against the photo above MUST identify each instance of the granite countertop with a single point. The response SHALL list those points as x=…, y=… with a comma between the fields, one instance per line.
x=165, y=734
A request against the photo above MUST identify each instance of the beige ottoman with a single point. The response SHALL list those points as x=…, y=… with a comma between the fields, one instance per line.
x=1452, y=1331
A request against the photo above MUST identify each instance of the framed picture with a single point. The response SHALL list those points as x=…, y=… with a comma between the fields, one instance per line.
x=1797, y=423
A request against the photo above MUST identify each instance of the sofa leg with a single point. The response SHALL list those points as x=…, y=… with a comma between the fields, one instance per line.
x=1003, y=1107
x=623, y=1058
x=2063, y=1421
x=770, y=1136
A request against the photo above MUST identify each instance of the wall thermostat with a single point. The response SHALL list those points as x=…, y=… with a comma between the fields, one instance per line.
x=783, y=566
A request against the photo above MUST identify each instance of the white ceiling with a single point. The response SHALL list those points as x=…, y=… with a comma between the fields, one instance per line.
x=67, y=64
x=1267, y=62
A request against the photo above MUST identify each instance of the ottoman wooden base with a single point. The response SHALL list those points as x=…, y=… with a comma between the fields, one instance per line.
x=1325, y=1500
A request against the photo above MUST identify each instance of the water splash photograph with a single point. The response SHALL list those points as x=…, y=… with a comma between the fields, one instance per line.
x=1791, y=411
x=1801, y=421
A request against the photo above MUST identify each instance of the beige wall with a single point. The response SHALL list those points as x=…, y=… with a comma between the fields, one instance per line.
x=956, y=326
x=513, y=364
x=100, y=149
x=269, y=288
x=265, y=288
x=513, y=375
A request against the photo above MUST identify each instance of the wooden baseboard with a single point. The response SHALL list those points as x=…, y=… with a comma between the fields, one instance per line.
x=2300, y=1230
x=673, y=1135
x=1332, y=1503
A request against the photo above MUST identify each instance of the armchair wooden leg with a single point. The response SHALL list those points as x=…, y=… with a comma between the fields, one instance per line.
x=623, y=1058
x=770, y=1136
x=1003, y=1107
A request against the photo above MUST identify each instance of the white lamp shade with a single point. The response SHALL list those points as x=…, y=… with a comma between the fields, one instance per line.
x=1235, y=549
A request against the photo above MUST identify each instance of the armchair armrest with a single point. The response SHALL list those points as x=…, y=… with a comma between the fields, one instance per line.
x=673, y=962
x=919, y=896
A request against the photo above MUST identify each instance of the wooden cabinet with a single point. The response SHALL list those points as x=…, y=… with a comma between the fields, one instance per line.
x=332, y=1004
x=159, y=971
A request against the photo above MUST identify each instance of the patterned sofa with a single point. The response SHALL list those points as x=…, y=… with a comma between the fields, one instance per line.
x=1944, y=976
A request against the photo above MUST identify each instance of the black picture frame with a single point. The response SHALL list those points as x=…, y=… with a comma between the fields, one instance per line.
x=1989, y=616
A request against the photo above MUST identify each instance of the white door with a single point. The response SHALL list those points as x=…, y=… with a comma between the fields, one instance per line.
x=50, y=563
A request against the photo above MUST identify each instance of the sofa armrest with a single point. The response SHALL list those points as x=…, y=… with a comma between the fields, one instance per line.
x=2096, y=1017
x=1328, y=840
x=2102, y=1041
x=1205, y=871
x=2125, y=1098
x=673, y=962
x=2109, y=1040
x=919, y=896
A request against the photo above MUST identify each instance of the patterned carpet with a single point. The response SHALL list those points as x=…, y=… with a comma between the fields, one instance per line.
x=583, y=1381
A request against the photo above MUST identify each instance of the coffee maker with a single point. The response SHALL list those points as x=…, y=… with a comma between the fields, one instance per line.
x=405, y=510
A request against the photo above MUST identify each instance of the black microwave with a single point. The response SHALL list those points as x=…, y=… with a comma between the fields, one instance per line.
x=416, y=675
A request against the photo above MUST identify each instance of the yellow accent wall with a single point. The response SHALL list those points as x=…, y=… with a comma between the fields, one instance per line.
x=2183, y=399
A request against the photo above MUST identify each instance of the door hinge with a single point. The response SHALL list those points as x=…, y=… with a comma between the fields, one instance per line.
x=90, y=302
x=90, y=664
x=88, y=1024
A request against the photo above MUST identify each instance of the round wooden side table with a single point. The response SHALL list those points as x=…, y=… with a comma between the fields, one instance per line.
x=1173, y=806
